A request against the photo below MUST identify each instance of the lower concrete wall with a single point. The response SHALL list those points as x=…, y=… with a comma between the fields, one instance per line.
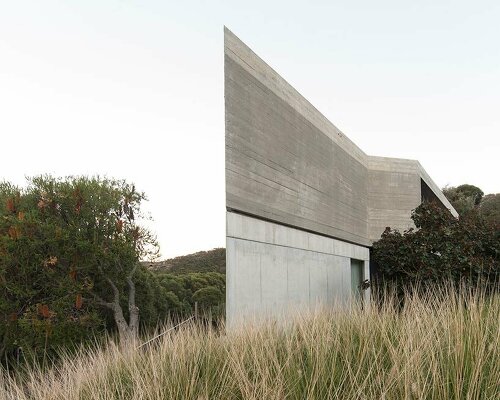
x=274, y=271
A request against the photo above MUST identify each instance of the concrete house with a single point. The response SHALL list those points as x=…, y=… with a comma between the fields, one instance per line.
x=304, y=203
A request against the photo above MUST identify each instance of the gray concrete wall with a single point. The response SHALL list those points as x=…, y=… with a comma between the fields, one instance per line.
x=287, y=163
x=303, y=199
x=393, y=192
x=274, y=271
x=282, y=167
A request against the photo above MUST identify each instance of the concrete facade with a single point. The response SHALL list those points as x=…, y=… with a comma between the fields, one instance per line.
x=287, y=166
x=273, y=271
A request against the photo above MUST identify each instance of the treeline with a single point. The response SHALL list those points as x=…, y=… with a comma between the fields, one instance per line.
x=163, y=295
x=191, y=280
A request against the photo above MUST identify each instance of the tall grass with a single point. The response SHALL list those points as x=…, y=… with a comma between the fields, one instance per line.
x=429, y=349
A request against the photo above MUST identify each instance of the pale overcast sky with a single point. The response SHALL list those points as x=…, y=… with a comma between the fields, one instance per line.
x=134, y=90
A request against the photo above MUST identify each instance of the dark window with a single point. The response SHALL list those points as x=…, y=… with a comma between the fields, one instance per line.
x=357, y=278
x=426, y=194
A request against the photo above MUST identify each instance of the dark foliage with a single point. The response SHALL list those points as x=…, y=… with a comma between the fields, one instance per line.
x=193, y=278
x=61, y=242
x=469, y=198
x=183, y=290
x=440, y=249
x=490, y=208
x=69, y=256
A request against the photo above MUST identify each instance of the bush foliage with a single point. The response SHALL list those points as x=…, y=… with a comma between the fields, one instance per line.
x=62, y=241
x=208, y=289
x=441, y=248
x=469, y=198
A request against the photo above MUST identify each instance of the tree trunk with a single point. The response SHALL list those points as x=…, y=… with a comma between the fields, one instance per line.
x=128, y=332
x=3, y=345
x=132, y=308
x=125, y=333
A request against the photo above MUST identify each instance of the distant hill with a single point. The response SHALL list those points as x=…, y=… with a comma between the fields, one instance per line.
x=202, y=261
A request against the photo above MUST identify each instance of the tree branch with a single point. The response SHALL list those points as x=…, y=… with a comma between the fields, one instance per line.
x=133, y=309
x=116, y=292
x=131, y=287
x=3, y=346
x=99, y=300
x=132, y=272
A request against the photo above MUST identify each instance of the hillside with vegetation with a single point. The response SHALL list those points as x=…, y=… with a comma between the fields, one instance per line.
x=202, y=261
x=193, y=280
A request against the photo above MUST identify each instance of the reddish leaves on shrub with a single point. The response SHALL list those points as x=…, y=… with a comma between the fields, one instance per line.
x=72, y=274
x=77, y=194
x=43, y=310
x=119, y=226
x=14, y=232
x=10, y=205
x=78, y=301
x=42, y=204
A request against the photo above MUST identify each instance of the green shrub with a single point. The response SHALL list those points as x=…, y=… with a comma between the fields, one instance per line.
x=442, y=248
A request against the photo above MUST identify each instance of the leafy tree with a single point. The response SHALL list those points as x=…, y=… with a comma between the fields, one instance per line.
x=490, y=209
x=153, y=300
x=193, y=287
x=441, y=248
x=472, y=192
x=68, y=248
x=208, y=296
x=464, y=198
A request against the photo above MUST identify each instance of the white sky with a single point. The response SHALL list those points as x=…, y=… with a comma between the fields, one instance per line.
x=134, y=90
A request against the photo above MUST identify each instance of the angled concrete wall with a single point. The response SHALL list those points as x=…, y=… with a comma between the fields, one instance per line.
x=393, y=192
x=286, y=162
x=279, y=164
x=290, y=170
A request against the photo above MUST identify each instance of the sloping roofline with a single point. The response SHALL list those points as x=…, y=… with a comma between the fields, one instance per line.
x=391, y=186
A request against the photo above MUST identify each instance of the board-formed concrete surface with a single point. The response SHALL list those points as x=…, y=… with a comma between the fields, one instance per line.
x=289, y=167
x=286, y=162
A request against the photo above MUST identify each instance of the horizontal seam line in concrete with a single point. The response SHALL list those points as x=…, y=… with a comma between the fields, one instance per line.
x=291, y=247
x=272, y=221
